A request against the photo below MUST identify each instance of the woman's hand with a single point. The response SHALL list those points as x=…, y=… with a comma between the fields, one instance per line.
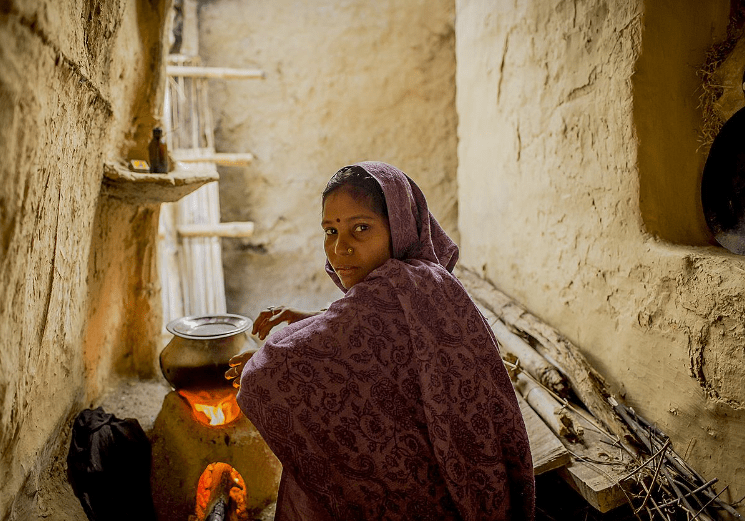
x=236, y=364
x=263, y=324
x=273, y=316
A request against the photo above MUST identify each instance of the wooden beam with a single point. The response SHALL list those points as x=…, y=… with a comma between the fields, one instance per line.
x=231, y=229
x=224, y=73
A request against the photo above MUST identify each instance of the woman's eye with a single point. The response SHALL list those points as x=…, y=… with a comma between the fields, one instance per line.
x=361, y=227
x=329, y=231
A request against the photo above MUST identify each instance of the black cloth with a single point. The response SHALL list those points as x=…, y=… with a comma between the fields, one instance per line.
x=108, y=467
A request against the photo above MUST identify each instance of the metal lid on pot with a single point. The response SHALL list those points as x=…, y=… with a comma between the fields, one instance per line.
x=207, y=327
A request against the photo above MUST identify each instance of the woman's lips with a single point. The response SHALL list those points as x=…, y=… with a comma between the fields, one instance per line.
x=345, y=270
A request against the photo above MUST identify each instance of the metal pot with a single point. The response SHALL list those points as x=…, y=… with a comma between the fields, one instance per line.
x=197, y=356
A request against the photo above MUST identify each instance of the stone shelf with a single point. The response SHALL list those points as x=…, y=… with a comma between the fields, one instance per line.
x=146, y=188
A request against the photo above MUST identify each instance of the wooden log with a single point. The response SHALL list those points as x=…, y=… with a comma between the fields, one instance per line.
x=531, y=360
x=587, y=383
x=559, y=420
x=224, y=73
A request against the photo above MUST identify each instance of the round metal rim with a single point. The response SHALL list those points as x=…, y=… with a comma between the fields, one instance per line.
x=171, y=326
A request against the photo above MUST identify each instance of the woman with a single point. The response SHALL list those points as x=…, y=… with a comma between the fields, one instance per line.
x=394, y=402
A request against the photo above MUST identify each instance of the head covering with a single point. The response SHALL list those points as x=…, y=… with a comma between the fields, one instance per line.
x=417, y=234
x=394, y=403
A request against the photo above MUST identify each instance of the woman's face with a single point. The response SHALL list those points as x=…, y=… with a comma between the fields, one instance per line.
x=357, y=239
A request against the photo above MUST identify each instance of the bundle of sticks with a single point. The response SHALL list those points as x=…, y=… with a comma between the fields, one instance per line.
x=548, y=370
x=675, y=491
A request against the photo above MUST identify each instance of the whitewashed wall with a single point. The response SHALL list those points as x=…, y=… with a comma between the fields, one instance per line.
x=568, y=113
x=345, y=82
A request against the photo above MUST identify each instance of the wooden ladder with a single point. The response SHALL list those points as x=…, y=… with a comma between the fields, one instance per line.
x=189, y=246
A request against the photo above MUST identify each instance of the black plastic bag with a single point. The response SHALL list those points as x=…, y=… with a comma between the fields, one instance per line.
x=108, y=467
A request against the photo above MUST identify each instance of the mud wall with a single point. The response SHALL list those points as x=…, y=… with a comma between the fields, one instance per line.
x=78, y=293
x=578, y=175
x=345, y=82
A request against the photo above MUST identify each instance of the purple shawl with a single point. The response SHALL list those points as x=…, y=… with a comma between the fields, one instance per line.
x=394, y=403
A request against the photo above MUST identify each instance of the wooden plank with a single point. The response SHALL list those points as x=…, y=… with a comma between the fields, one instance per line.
x=547, y=450
x=598, y=468
x=224, y=73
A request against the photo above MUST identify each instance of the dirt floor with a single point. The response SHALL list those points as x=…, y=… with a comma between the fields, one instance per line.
x=54, y=499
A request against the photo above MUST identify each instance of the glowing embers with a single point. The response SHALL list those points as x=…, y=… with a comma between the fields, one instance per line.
x=221, y=494
x=214, y=406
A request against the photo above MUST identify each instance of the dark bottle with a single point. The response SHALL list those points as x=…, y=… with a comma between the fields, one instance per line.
x=158, y=153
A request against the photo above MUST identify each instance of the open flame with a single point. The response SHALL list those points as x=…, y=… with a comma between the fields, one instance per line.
x=214, y=406
x=221, y=490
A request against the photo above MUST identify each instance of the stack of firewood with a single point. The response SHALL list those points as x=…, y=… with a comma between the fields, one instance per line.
x=572, y=398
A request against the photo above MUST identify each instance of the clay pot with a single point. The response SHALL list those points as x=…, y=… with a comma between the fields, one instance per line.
x=197, y=356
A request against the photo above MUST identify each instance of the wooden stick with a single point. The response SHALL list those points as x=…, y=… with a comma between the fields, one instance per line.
x=696, y=491
x=651, y=458
x=648, y=444
x=700, y=512
x=224, y=73
x=654, y=478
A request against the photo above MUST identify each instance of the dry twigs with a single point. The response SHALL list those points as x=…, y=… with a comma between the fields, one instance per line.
x=681, y=491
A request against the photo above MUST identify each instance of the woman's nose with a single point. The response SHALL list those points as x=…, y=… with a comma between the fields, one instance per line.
x=342, y=246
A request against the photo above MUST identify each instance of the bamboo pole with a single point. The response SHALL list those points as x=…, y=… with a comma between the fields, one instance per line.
x=209, y=127
x=227, y=229
x=221, y=158
x=194, y=113
x=225, y=73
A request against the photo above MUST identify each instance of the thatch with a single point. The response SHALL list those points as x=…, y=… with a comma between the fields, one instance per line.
x=712, y=87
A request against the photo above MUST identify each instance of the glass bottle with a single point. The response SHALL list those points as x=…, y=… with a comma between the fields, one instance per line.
x=158, y=153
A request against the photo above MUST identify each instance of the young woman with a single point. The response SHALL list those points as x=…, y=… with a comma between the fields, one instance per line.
x=394, y=402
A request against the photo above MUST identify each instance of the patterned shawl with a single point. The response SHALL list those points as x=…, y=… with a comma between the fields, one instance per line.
x=394, y=403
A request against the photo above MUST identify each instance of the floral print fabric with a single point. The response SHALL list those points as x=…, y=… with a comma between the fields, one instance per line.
x=394, y=403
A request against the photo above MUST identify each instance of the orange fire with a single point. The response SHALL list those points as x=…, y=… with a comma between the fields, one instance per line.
x=213, y=407
x=221, y=482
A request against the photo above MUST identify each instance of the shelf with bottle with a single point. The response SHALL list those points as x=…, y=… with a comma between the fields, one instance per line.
x=120, y=182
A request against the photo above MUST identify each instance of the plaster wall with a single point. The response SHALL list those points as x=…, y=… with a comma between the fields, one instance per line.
x=78, y=293
x=345, y=82
x=568, y=113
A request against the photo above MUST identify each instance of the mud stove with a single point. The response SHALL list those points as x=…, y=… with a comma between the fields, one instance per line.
x=208, y=460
